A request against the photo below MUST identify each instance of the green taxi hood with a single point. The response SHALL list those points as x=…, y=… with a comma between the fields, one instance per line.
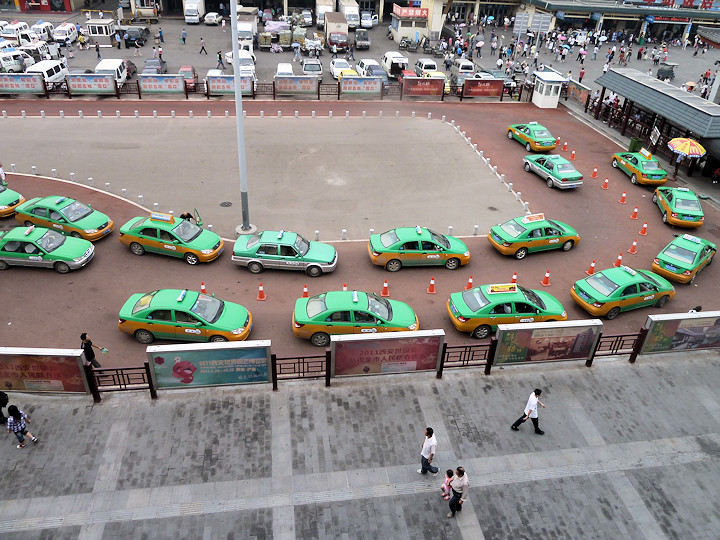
x=552, y=304
x=92, y=221
x=72, y=248
x=233, y=316
x=8, y=196
x=402, y=314
x=320, y=252
x=456, y=245
x=206, y=240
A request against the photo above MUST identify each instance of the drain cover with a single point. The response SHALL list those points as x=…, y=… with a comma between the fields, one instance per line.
x=225, y=204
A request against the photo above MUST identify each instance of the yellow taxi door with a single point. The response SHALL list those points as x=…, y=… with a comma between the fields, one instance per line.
x=631, y=297
x=190, y=328
x=502, y=314
x=410, y=254
x=367, y=323
x=336, y=323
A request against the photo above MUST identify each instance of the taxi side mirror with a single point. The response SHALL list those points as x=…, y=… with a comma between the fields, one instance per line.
x=198, y=324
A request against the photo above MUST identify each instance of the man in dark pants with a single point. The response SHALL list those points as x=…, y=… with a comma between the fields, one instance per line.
x=460, y=486
x=428, y=453
x=4, y=400
x=87, y=346
x=531, y=412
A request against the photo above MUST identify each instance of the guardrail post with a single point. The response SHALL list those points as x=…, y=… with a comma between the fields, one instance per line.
x=439, y=372
x=92, y=383
x=327, y=368
x=639, y=342
x=273, y=371
x=491, y=355
x=151, y=386
x=589, y=361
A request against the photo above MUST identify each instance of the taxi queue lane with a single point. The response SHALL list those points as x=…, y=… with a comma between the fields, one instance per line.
x=604, y=225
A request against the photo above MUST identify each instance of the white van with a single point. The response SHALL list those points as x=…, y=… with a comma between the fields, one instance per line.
x=394, y=63
x=53, y=71
x=284, y=69
x=43, y=29
x=65, y=31
x=16, y=61
x=424, y=66
x=40, y=50
x=113, y=67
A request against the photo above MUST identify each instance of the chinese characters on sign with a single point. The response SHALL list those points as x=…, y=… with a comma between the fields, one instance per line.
x=304, y=84
x=482, y=88
x=542, y=342
x=423, y=86
x=678, y=332
x=42, y=370
x=225, y=84
x=410, y=12
x=91, y=84
x=161, y=84
x=361, y=85
x=21, y=83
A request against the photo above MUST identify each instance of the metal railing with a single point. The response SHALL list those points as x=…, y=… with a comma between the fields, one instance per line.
x=614, y=345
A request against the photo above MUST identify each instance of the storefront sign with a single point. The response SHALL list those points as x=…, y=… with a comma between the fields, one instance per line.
x=91, y=84
x=225, y=84
x=407, y=12
x=671, y=19
x=423, y=86
x=211, y=364
x=161, y=84
x=361, y=85
x=302, y=84
x=682, y=332
x=21, y=83
x=482, y=88
x=42, y=370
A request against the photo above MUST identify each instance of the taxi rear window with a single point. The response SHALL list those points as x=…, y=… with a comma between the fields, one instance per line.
x=316, y=305
x=602, y=284
x=475, y=299
x=254, y=239
x=138, y=223
x=651, y=165
x=565, y=167
x=542, y=133
x=388, y=238
x=513, y=228
x=143, y=302
x=680, y=253
x=687, y=204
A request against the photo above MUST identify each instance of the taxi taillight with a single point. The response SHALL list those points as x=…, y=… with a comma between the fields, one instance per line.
x=673, y=214
x=461, y=319
x=656, y=261
x=375, y=254
x=598, y=304
x=120, y=321
x=297, y=324
x=702, y=218
x=507, y=244
x=686, y=273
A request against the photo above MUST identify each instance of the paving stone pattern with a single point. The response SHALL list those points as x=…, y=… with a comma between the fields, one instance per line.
x=630, y=451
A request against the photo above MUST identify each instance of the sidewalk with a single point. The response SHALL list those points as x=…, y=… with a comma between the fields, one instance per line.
x=630, y=451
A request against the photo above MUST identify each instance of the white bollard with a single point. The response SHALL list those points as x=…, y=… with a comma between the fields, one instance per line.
x=452, y=123
x=526, y=207
x=171, y=212
x=80, y=114
x=137, y=114
x=34, y=170
x=297, y=114
x=343, y=235
x=90, y=181
x=412, y=115
x=450, y=229
x=495, y=169
x=313, y=114
x=347, y=114
x=510, y=184
x=154, y=114
x=502, y=178
x=62, y=114
x=475, y=229
x=117, y=113
x=317, y=235
x=156, y=207
x=463, y=135
x=123, y=191
x=397, y=114
x=279, y=114
x=329, y=114
x=72, y=177
x=443, y=119
x=364, y=114
x=141, y=200
x=209, y=227
x=262, y=114
x=172, y=114
x=13, y=167
x=488, y=162
x=99, y=114
x=482, y=154
x=23, y=114
x=429, y=116
x=372, y=231
x=380, y=114
x=53, y=172
x=475, y=147
x=190, y=114
x=209, y=114
x=4, y=114
x=469, y=140
x=107, y=187
x=518, y=196
x=42, y=114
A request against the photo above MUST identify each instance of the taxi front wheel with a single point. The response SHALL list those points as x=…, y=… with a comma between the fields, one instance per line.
x=4, y=265
x=633, y=179
x=320, y=339
x=62, y=268
x=614, y=312
x=393, y=265
x=481, y=332
x=567, y=246
x=452, y=264
x=662, y=301
x=313, y=271
x=614, y=163
x=137, y=249
x=191, y=258
x=217, y=339
x=255, y=267
x=510, y=135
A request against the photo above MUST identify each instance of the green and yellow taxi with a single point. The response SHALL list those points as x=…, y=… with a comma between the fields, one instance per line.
x=535, y=137
x=479, y=310
x=283, y=250
x=417, y=246
x=555, y=170
x=683, y=258
x=642, y=167
x=44, y=248
x=9, y=200
x=528, y=234
x=679, y=207
x=183, y=315
x=349, y=312
x=608, y=292
x=65, y=215
x=167, y=235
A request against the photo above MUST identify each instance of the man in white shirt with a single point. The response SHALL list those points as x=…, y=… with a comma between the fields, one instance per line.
x=460, y=485
x=428, y=453
x=531, y=412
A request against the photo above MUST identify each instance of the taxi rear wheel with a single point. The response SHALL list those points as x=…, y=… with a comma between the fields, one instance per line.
x=527, y=166
x=550, y=183
x=255, y=267
x=137, y=249
x=320, y=339
x=313, y=271
x=614, y=312
x=528, y=147
x=29, y=223
x=654, y=198
x=452, y=264
x=521, y=253
x=567, y=246
x=62, y=268
x=662, y=301
x=76, y=234
x=217, y=339
x=614, y=163
x=191, y=258
x=393, y=266
x=633, y=179
x=4, y=265
x=481, y=332
x=510, y=135
x=664, y=217
x=143, y=336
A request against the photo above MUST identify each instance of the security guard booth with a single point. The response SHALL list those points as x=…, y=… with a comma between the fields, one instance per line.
x=546, y=93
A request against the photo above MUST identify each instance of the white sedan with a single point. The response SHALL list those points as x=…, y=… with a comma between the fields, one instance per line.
x=362, y=66
x=337, y=65
x=213, y=18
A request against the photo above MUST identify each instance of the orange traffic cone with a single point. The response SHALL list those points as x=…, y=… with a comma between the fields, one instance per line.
x=202, y=287
x=261, y=293
x=469, y=284
x=514, y=278
x=622, y=199
x=643, y=231
x=572, y=155
x=634, y=214
x=546, y=281
x=619, y=261
x=431, y=288
x=605, y=183
x=564, y=148
x=590, y=271
x=344, y=286
x=594, y=174
x=557, y=143
x=633, y=248
x=305, y=291
x=385, y=290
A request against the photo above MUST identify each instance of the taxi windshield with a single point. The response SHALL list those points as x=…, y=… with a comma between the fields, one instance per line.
x=439, y=239
x=3, y=187
x=651, y=165
x=51, y=240
x=388, y=238
x=532, y=297
x=143, y=302
x=565, y=167
x=687, y=204
x=541, y=133
x=187, y=230
x=316, y=305
x=254, y=239
x=602, y=284
x=513, y=228
x=380, y=307
x=208, y=308
x=680, y=253
x=475, y=299
x=76, y=211
x=302, y=245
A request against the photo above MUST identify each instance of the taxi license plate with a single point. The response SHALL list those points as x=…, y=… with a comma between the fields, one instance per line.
x=584, y=296
x=106, y=231
x=221, y=250
x=497, y=238
x=670, y=267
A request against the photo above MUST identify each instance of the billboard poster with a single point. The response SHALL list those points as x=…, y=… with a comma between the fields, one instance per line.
x=209, y=364
x=423, y=86
x=544, y=342
x=21, y=83
x=42, y=370
x=482, y=88
x=225, y=85
x=391, y=352
x=361, y=85
x=300, y=84
x=161, y=84
x=91, y=84
x=682, y=332
x=407, y=12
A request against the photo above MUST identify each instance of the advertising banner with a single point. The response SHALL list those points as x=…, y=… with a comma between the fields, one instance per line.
x=682, y=332
x=91, y=84
x=361, y=85
x=161, y=84
x=42, y=370
x=543, y=342
x=21, y=83
x=407, y=12
x=300, y=84
x=423, y=86
x=209, y=364
x=482, y=87
x=391, y=352
x=225, y=85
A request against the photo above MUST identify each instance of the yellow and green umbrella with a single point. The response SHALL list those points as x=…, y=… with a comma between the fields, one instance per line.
x=687, y=147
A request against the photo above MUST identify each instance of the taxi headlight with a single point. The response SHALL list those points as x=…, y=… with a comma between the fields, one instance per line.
x=412, y=326
x=238, y=331
x=3, y=207
x=466, y=254
x=564, y=314
x=90, y=231
x=206, y=251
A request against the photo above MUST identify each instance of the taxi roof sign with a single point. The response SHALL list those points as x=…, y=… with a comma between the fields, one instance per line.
x=159, y=216
x=418, y=229
x=644, y=153
x=533, y=217
x=691, y=238
x=280, y=234
x=502, y=288
x=682, y=189
x=355, y=297
x=30, y=229
x=181, y=297
x=628, y=270
x=61, y=199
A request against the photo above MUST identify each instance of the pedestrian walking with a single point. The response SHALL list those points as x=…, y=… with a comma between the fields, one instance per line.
x=223, y=25
x=606, y=67
x=160, y=33
x=87, y=346
x=334, y=51
x=581, y=75
x=2, y=172
x=97, y=50
x=160, y=53
x=459, y=488
x=351, y=52
x=220, y=64
x=183, y=36
x=137, y=51
x=17, y=423
x=202, y=46
x=428, y=453
x=117, y=39
x=531, y=412
x=595, y=51
x=154, y=52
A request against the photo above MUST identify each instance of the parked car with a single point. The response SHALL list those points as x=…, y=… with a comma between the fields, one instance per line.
x=213, y=18
x=155, y=65
x=139, y=34
x=312, y=66
x=131, y=68
x=363, y=64
x=190, y=76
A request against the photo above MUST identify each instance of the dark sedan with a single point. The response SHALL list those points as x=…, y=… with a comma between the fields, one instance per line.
x=155, y=65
